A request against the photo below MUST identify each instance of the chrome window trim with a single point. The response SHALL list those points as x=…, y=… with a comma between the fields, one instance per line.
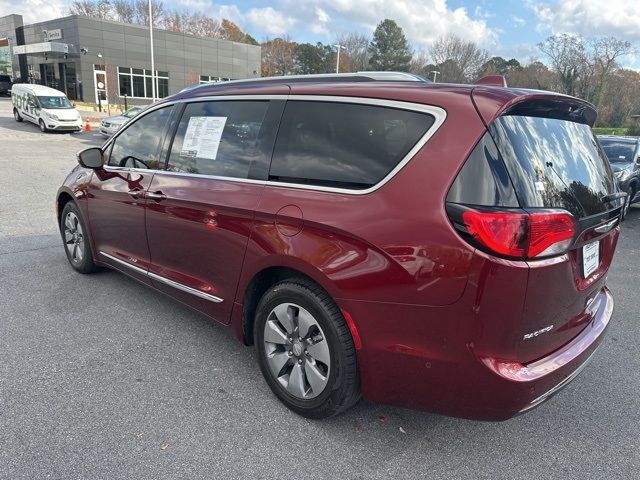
x=438, y=113
x=166, y=281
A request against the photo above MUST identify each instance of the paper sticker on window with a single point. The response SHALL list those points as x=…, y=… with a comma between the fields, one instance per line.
x=202, y=137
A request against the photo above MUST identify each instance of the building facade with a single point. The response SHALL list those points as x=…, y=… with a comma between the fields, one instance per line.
x=94, y=60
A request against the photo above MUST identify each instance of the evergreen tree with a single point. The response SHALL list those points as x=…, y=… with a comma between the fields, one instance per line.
x=389, y=49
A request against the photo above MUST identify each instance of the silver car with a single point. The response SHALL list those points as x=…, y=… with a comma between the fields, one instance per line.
x=111, y=125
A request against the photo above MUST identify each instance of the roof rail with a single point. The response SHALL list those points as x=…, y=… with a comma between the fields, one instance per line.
x=329, y=77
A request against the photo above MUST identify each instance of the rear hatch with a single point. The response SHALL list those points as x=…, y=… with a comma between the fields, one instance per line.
x=553, y=203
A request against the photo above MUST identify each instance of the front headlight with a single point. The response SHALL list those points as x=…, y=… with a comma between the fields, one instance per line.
x=51, y=116
x=618, y=174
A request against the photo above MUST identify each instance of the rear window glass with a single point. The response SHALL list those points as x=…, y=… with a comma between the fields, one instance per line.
x=554, y=163
x=343, y=145
x=618, y=151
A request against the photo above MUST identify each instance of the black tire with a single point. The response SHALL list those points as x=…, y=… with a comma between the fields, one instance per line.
x=79, y=253
x=43, y=127
x=16, y=115
x=342, y=388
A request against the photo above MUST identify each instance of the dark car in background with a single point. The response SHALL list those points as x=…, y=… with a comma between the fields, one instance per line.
x=624, y=156
x=434, y=246
x=5, y=84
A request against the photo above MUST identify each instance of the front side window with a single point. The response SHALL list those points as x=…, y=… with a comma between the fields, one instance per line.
x=218, y=138
x=343, y=145
x=138, y=146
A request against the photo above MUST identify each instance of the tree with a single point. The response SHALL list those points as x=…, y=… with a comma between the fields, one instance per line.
x=458, y=60
x=91, y=8
x=124, y=10
x=142, y=12
x=355, y=54
x=389, y=49
x=316, y=58
x=278, y=57
x=568, y=59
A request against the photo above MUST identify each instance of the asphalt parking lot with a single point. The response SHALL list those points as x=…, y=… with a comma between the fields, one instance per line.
x=102, y=378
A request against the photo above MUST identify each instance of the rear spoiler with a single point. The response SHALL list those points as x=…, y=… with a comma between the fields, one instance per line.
x=492, y=80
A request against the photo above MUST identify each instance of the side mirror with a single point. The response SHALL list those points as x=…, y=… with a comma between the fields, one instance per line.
x=91, y=158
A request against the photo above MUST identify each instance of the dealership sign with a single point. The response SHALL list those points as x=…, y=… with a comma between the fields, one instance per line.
x=52, y=34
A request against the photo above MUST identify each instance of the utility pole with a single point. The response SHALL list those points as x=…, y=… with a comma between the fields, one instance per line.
x=153, y=66
x=435, y=74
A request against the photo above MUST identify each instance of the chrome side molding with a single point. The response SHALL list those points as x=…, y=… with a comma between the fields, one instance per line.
x=166, y=281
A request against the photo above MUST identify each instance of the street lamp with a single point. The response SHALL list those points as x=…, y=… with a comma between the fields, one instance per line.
x=435, y=74
x=338, y=47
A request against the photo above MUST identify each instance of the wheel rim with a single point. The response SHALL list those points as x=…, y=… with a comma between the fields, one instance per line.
x=41, y=125
x=297, y=351
x=15, y=115
x=73, y=237
x=627, y=203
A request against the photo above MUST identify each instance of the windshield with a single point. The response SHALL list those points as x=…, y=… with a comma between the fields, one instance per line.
x=554, y=163
x=132, y=112
x=618, y=151
x=54, y=102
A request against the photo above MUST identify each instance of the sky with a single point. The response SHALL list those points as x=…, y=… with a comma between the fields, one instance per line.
x=504, y=27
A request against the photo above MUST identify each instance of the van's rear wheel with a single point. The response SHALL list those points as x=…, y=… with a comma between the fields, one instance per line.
x=43, y=127
x=305, y=349
x=16, y=115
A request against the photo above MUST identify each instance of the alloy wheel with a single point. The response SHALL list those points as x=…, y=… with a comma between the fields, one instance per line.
x=297, y=351
x=74, y=237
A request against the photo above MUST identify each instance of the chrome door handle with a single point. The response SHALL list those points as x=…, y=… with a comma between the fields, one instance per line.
x=157, y=196
x=136, y=193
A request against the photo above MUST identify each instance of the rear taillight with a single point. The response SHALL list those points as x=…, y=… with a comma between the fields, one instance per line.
x=520, y=234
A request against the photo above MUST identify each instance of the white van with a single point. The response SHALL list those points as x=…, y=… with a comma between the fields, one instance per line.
x=48, y=108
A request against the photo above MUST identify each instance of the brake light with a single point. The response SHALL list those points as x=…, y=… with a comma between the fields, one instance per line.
x=519, y=234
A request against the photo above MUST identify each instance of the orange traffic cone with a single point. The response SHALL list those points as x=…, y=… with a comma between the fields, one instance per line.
x=87, y=127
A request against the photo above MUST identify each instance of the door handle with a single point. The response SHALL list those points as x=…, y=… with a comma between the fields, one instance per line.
x=157, y=196
x=136, y=193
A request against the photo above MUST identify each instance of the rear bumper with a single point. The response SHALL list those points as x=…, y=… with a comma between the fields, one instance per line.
x=416, y=357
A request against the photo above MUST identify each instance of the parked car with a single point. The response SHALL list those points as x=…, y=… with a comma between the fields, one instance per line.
x=624, y=156
x=111, y=125
x=441, y=247
x=48, y=108
x=5, y=84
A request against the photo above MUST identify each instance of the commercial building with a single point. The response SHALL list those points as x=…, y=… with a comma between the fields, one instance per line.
x=91, y=59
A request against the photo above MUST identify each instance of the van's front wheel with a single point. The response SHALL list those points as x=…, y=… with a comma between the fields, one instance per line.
x=43, y=127
x=16, y=115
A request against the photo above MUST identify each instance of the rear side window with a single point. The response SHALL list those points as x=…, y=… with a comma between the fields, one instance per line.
x=218, y=138
x=554, y=163
x=342, y=144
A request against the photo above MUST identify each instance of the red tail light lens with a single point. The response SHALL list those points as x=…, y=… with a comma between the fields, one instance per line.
x=550, y=233
x=521, y=235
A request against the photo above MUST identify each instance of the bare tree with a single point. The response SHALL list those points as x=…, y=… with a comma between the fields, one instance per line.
x=458, y=60
x=278, y=57
x=142, y=12
x=355, y=55
x=568, y=59
x=124, y=10
x=91, y=8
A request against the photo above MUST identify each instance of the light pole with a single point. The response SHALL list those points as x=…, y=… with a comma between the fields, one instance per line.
x=98, y=84
x=338, y=48
x=153, y=66
x=435, y=74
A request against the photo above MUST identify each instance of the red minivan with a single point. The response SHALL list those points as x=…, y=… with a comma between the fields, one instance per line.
x=441, y=247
